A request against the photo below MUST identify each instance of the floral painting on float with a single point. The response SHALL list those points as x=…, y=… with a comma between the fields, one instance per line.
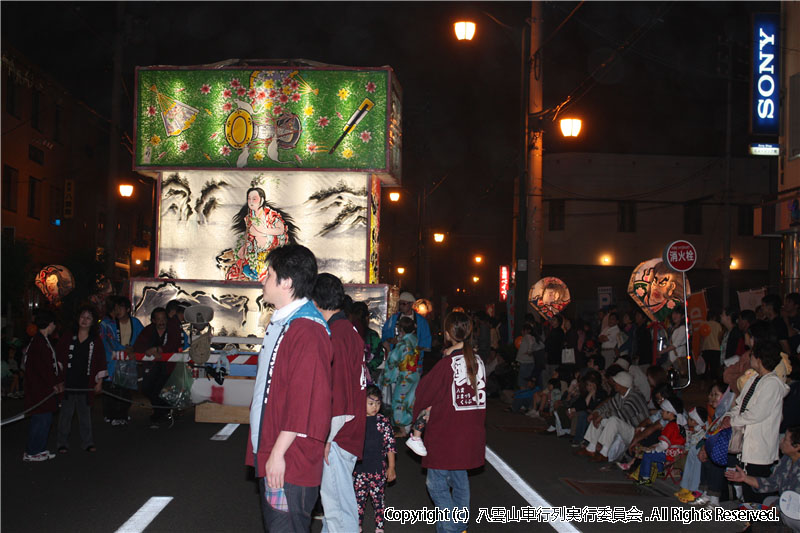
x=268, y=117
x=549, y=296
x=657, y=289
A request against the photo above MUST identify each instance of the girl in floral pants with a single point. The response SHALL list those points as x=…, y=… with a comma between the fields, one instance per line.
x=377, y=464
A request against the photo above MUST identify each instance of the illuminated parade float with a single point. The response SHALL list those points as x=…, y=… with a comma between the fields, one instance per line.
x=251, y=158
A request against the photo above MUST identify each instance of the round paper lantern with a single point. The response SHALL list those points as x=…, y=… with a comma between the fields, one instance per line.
x=55, y=282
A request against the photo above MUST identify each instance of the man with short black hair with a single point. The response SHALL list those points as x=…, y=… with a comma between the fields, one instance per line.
x=771, y=303
x=118, y=331
x=155, y=340
x=349, y=382
x=290, y=415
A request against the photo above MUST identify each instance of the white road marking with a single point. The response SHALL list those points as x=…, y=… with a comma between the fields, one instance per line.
x=142, y=518
x=225, y=432
x=533, y=498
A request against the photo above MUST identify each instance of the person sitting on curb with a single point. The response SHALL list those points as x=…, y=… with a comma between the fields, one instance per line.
x=617, y=416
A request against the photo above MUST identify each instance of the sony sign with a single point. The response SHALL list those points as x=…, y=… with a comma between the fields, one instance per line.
x=764, y=113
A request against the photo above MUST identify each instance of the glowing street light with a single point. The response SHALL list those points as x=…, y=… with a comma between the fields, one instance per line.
x=126, y=190
x=438, y=237
x=475, y=279
x=394, y=196
x=465, y=30
x=734, y=263
x=478, y=259
x=570, y=127
x=605, y=260
x=401, y=270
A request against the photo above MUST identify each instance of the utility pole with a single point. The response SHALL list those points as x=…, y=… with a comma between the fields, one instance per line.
x=726, y=241
x=113, y=143
x=534, y=151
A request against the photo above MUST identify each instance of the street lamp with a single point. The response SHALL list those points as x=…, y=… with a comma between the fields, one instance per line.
x=475, y=279
x=126, y=190
x=438, y=237
x=605, y=259
x=570, y=127
x=465, y=30
x=394, y=196
x=478, y=259
x=401, y=270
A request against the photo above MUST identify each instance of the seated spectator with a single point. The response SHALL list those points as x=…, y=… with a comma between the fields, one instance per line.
x=712, y=477
x=590, y=396
x=696, y=430
x=785, y=476
x=616, y=417
x=670, y=443
x=656, y=376
x=543, y=401
x=648, y=431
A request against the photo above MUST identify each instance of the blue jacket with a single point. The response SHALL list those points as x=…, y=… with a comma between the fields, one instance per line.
x=423, y=331
x=110, y=336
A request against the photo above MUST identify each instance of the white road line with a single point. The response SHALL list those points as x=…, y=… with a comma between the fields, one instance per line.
x=533, y=498
x=225, y=432
x=142, y=518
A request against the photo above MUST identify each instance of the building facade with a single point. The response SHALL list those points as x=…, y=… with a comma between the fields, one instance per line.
x=606, y=213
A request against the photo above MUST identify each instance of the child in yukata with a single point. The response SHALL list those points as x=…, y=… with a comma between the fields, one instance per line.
x=376, y=467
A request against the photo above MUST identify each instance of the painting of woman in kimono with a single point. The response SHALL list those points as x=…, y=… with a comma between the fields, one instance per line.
x=261, y=228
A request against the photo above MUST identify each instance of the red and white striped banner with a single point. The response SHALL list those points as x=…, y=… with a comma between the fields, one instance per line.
x=183, y=357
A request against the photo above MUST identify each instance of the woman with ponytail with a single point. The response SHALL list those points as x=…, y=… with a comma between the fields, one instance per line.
x=454, y=393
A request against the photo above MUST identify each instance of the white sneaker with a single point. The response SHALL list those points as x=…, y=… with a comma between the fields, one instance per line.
x=39, y=457
x=417, y=446
x=551, y=429
x=533, y=413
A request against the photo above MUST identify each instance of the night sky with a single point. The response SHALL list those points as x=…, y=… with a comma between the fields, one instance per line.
x=661, y=95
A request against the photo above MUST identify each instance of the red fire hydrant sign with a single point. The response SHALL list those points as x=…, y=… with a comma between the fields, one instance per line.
x=680, y=256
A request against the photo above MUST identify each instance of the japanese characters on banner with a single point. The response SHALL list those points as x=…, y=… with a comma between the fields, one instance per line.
x=218, y=225
x=657, y=289
x=549, y=296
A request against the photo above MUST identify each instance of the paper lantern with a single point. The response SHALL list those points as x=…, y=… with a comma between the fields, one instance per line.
x=55, y=282
x=657, y=289
x=549, y=296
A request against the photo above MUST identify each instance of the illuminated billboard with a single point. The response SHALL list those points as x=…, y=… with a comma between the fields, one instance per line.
x=765, y=88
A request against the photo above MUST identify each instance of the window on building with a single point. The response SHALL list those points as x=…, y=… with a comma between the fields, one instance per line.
x=35, y=105
x=56, y=206
x=35, y=154
x=794, y=116
x=693, y=218
x=57, y=124
x=745, y=220
x=12, y=97
x=34, y=202
x=10, y=188
x=556, y=215
x=626, y=217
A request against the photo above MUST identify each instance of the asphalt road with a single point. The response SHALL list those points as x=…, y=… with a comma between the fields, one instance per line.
x=213, y=491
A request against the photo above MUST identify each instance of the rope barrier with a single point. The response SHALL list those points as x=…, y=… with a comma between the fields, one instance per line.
x=21, y=416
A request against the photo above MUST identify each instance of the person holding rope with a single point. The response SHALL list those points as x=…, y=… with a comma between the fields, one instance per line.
x=119, y=331
x=154, y=340
x=81, y=355
x=44, y=379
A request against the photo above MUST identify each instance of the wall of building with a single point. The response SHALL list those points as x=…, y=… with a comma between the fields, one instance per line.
x=627, y=208
x=49, y=137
